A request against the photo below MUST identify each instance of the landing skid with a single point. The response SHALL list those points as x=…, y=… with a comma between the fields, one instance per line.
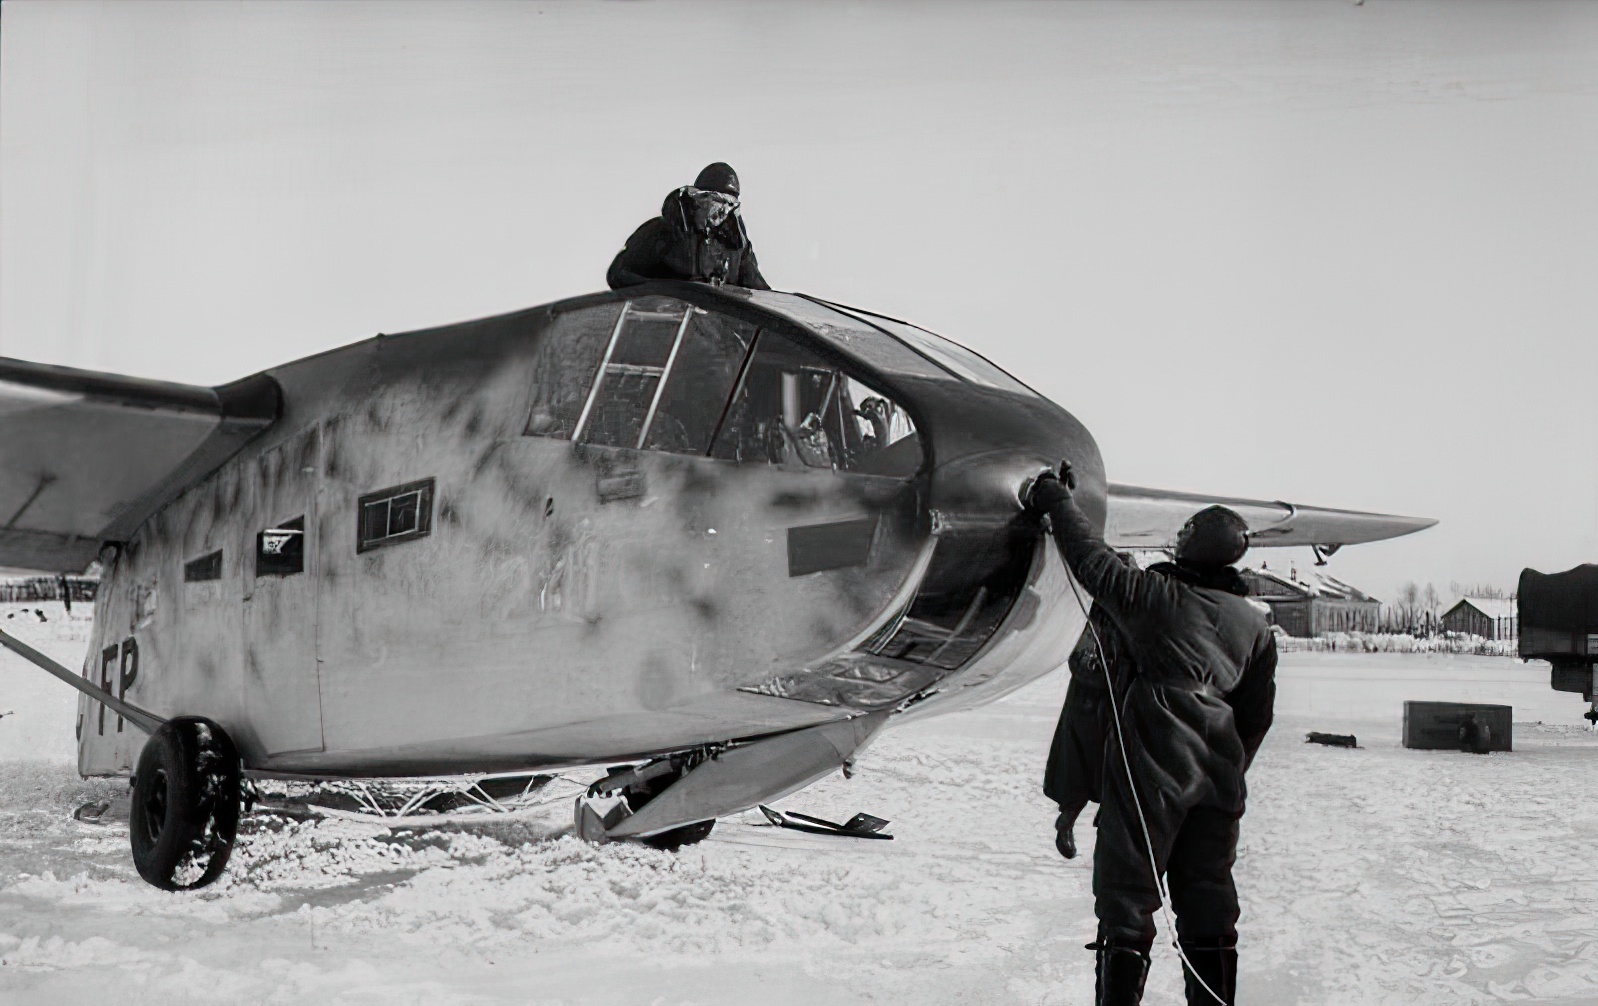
x=859, y=826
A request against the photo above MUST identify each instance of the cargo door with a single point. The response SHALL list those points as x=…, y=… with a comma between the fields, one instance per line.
x=282, y=696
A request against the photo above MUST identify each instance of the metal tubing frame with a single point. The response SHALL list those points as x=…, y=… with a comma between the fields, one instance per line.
x=599, y=378
x=665, y=374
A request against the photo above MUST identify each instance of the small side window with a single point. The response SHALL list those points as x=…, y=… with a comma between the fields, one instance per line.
x=390, y=516
x=206, y=567
x=280, y=550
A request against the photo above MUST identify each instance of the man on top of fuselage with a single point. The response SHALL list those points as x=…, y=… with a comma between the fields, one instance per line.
x=698, y=236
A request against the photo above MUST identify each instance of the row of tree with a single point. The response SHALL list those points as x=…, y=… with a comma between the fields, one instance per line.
x=1418, y=611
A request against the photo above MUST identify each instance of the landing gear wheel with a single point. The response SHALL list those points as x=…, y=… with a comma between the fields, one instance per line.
x=625, y=792
x=185, y=811
x=675, y=838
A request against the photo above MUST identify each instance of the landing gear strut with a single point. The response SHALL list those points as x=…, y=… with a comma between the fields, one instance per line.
x=185, y=811
x=625, y=791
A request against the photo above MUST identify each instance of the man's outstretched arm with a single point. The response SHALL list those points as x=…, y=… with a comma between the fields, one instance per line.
x=1122, y=589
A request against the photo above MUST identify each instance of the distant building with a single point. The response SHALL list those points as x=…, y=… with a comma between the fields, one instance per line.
x=1488, y=617
x=1313, y=604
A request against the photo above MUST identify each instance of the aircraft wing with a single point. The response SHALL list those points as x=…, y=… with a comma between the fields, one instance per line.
x=86, y=457
x=1150, y=518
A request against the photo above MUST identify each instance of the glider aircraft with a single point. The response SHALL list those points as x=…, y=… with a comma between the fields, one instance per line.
x=718, y=537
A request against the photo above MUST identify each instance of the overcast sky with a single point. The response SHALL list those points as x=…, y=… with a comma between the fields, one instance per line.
x=1331, y=253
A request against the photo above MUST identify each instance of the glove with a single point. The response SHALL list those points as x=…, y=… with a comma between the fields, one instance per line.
x=1068, y=475
x=1046, y=493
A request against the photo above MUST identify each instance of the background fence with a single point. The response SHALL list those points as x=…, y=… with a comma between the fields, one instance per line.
x=49, y=588
x=1386, y=642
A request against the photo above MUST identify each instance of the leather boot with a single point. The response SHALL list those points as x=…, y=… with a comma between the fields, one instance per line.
x=1217, y=966
x=1119, y=975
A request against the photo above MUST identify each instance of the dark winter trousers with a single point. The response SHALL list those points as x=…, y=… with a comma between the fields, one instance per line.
x=1195, y=848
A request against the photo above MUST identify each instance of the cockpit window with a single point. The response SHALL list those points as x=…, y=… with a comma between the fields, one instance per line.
x=855, y=337
x=564, y=364
x=699, y=383
x=953, y=356
x=793, y=408
x=653, y=373
x=630, y=376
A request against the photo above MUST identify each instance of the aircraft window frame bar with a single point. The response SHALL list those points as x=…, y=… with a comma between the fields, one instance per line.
x=832, y=389
x=665, y=375
x=737, y=389
x=826, y=403
x=599, y=376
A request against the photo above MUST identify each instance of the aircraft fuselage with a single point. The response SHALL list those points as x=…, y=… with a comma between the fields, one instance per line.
x=612, y=527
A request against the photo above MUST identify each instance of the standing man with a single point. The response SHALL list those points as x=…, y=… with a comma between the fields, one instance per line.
x=1192, y=719
x=1073, y=775
x=698, y=236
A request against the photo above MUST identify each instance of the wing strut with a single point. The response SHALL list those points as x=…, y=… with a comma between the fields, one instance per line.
x=146, y=721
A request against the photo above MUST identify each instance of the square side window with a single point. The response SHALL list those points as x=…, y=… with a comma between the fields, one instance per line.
x=206, y=567
x=280, y=550
x=396, y=514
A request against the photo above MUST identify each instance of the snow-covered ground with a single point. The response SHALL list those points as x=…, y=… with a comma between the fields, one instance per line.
x=1375, y=875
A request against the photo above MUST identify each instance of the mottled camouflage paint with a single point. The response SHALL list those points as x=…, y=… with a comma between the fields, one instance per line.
x=572, y=603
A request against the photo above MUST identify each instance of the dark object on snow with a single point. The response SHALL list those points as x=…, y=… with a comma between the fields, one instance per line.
x=1475, y=735
x=699, y=235
x=185, y=811
x=1331, y=740
x=40, y=613
x=1193, y=717
x=92, y=812
x=1458, y=726
x=859, y=826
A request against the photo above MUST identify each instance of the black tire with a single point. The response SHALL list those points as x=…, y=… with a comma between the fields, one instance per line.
x=185, y=812
x=676, y=838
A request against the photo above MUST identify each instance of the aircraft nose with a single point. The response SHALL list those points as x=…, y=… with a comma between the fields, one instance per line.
x=989, y=488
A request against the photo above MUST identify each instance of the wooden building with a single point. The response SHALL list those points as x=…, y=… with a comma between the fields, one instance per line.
x=1312, y=604
x=1488, y=617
